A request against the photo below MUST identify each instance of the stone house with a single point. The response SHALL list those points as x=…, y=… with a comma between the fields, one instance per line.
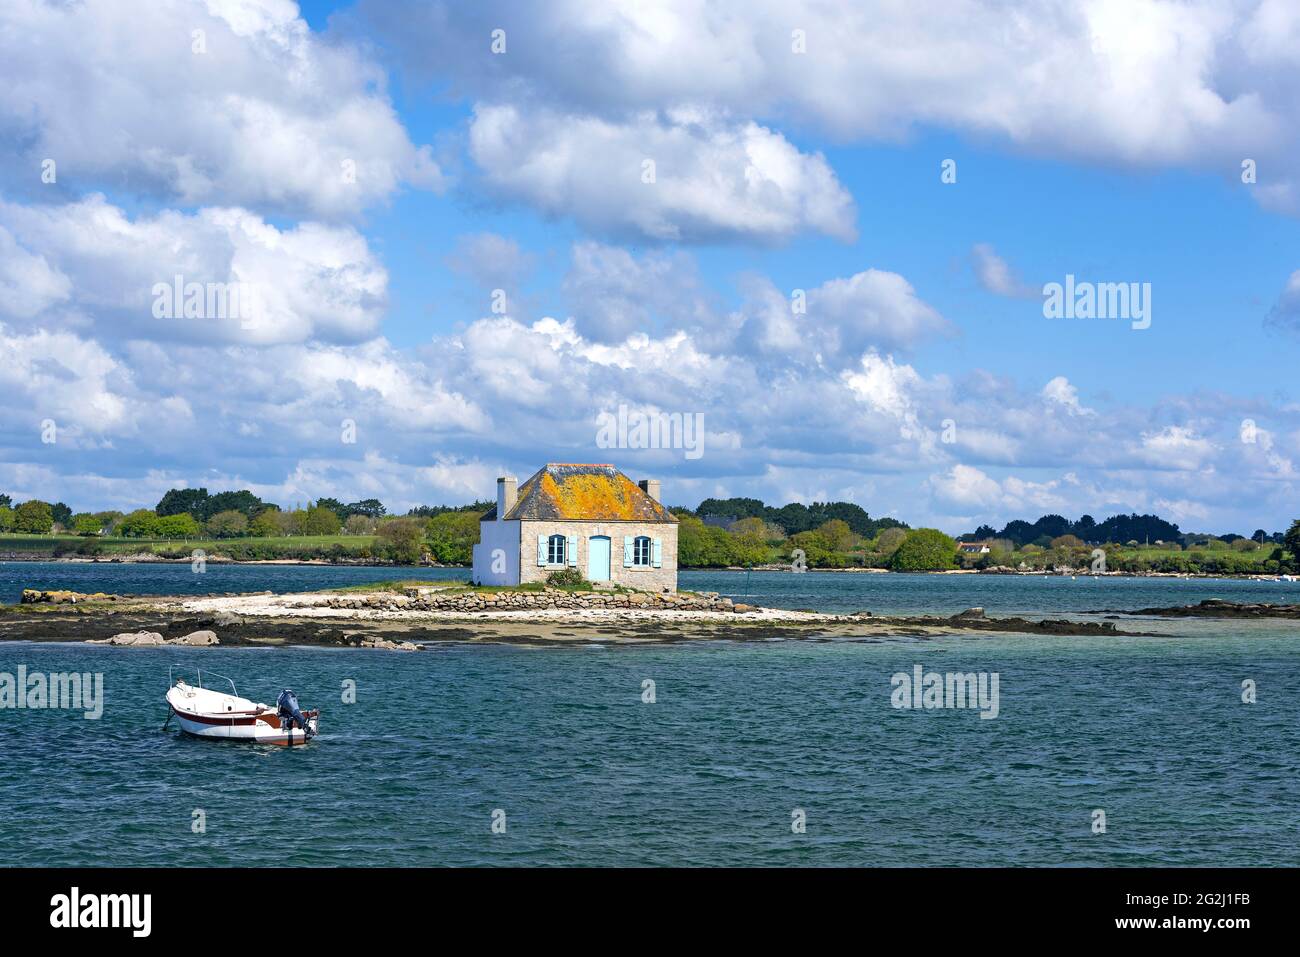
x=591, y=518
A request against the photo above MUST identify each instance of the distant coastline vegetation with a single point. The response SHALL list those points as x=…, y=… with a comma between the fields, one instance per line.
x=719, y=533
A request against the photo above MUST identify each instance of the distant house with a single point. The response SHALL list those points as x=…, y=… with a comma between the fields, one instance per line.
x=973, y=548
x=591, y=518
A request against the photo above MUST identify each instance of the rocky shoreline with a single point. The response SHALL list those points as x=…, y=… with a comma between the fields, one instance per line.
x=423, y=618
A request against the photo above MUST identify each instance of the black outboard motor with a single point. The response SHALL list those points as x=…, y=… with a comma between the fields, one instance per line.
x=290, y=713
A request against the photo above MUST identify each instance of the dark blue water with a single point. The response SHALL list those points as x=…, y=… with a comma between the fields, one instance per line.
x=1151, y=730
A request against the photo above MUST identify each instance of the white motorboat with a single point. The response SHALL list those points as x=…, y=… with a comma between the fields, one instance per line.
x=205, y=713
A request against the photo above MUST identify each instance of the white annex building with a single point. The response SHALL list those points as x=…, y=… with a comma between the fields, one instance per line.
x=592, y=518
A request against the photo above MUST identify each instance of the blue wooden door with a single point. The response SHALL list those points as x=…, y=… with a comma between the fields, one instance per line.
x=598, y=558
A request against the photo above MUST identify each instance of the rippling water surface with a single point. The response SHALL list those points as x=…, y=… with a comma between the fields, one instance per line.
x=1151, y=730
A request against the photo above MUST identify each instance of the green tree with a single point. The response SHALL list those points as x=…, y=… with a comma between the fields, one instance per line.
x=402, y=540
x=62, y=514
x=6, y=518
x=84, y=523
x=181, y=500
x=1291, y=540
x=750, y=548
x=887, y=541
x=369, y=506
x=452, y=536
x=142, y=523
x=837, y=535
x=182, y=525
x=294, y=522
x=266, y=523
x=34, y=518
x=360, y=525
x=335, y=506
x=924, y=550
x=321, y=520
x=817, y=552
x=1001, y=551
x=757, y=528
x=243, y=501
x=702, y=546
x=228, y=524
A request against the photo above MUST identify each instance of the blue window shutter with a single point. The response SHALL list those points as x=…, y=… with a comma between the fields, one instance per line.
x=658, y=553
x=541, y=549
x=627, y=551
x=571, y=550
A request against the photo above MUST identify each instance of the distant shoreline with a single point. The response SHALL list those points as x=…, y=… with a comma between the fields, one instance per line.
x=145, y=559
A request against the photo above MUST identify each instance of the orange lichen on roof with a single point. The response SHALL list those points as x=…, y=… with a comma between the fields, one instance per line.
x=578, y=496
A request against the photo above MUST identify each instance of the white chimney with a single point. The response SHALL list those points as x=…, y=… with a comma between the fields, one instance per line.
x=507, y=494
x=650, y=487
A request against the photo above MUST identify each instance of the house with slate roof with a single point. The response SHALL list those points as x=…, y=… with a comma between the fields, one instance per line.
x=591, y=518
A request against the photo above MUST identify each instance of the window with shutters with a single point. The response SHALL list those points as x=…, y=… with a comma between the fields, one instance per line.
x=641, y=551
x=555, y=550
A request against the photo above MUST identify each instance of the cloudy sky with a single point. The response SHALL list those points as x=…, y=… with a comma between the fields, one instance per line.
x=474, y=228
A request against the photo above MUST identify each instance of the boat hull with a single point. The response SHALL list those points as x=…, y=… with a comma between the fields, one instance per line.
x=261, y=728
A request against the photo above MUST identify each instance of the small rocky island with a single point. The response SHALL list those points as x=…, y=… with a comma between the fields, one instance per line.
x=1218, y=608
x=415, y=616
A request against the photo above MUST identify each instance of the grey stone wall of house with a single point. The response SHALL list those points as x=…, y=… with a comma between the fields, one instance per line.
x=659, y=579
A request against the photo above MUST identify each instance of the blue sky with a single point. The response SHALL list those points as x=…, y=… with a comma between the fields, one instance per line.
x=1098, y=139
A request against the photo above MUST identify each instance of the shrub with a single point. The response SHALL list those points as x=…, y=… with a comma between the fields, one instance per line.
x=567, y=578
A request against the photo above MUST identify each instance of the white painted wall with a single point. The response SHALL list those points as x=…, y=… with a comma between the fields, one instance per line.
x=493, y=536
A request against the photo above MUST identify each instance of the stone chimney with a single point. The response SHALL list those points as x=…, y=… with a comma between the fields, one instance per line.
x=507, y=495
x=650, y=487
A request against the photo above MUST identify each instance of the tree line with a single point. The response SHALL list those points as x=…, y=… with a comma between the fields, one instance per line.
x=1125, y=529
x=733, y=532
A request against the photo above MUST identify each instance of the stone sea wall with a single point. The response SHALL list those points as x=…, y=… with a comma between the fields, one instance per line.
x=428, y=600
